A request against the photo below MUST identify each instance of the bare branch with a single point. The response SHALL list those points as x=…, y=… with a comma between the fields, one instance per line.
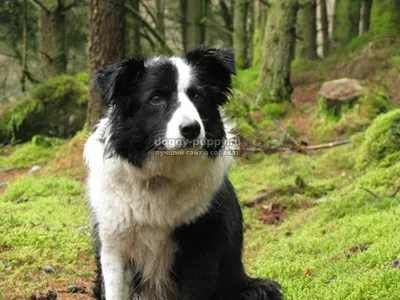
x=150, y=28
x=150, y=12
x=371, y=193
x=37, y=2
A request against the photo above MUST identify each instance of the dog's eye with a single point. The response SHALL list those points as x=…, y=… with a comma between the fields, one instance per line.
x=156, y=100
x=197, y=98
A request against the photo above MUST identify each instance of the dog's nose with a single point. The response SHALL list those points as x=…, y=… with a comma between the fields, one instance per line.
x=190, y=130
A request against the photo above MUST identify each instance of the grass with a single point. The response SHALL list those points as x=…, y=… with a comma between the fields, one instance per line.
x=313, y=253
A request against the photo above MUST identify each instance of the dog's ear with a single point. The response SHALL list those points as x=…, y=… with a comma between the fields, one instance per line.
x=212, y=57
x=215, y=68
x=116, y=80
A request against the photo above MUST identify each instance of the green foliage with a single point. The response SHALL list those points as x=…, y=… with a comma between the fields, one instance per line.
x=82, y=78
x=382, y=141
x=274, y=110
x=56, y=107
x=36, y=152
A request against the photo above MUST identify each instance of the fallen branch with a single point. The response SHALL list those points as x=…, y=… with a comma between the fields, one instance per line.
x=328, y=145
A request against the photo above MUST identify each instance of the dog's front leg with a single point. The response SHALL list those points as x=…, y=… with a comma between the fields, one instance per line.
x=113, y=265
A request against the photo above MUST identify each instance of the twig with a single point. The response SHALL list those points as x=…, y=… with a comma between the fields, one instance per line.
x=41, y=5
x=373, y=194
x=328, y=145
x=395, y=193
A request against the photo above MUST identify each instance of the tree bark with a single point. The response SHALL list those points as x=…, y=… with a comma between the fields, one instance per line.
x=260, y=16
x=385, y=17
x=106, y=44
x=134, y=31
x=346, y=22
x=240, y=44
x=306, y=42
x=193, y=23
x=228, y=20
x=52, y=38
x=324, y=28
x=366, y=15
x=278, y=51
x=160, y=6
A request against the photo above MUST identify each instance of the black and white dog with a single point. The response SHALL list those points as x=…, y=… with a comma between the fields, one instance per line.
x=168, y=227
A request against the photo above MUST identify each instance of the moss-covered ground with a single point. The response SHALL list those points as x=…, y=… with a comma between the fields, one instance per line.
x=327, y=227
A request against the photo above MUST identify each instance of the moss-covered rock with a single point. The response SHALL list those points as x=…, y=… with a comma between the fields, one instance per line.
x=381, y=146
x=56, y=107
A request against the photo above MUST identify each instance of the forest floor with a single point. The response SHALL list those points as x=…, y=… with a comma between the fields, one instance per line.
x=326, y=229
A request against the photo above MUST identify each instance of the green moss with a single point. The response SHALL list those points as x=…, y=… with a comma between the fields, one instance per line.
x=48, y=226
x=63, y=98
x=37, y=152
x=382, y=141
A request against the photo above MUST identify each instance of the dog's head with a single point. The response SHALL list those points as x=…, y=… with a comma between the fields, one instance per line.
x=166, y=103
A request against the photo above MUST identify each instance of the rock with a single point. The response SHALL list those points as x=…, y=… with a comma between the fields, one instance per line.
x=49, y=269
x=338, y=93
x=34, y=169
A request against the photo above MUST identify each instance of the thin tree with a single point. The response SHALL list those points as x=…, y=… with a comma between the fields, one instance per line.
x=306, y=31
x=324, y=28
x=260, y=17
x=385, y=17
x=240, y=39
x=106, y=44
x=52, y=35
x=346, y=21
x=366, y=15
x=193, y=23
x=278, y=51
x=228, y=20
x=134, y=31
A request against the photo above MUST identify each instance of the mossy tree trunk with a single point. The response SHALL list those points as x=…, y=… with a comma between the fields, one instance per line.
x=260, y=17
x=134, y=32
x=306, y=42
x=106, y=27
x=324, y=28
x=385, y=17
x=346, y=22
x=52, y=38
x=278, y=51
x=240, y=44
x=366, y=15
x=193, y=23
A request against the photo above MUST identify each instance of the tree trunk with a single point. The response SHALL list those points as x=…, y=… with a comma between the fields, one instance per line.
x=260, y=16
x=385, y=17
x=366, y=16
x=106, y=44
x=240, y=33
x=306, y=42
x=134, y=32
x=193, y=23
x=324, y=28
x=278, y=51
x=346, y=22
x=228, y=20
x=160, y=6
x=52, y=39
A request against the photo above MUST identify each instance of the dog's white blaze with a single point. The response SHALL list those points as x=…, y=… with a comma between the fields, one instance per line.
x=186, y=112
